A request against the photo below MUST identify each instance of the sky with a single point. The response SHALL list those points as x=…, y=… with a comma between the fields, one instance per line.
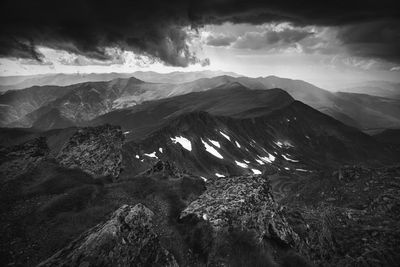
x=327, y=43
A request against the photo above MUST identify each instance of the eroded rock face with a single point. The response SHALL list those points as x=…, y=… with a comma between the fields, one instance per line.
x=20, y=158
x=244, y=202
x=127, y=239
x=95, y=150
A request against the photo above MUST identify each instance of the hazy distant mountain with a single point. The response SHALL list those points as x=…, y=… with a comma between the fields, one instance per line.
x=178, y=76
x=64, y=79
x=376, y=88
x=82, y=102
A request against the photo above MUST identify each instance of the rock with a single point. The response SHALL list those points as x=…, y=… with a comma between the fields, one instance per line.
x=20, y=158
x=127, y=239
x=95, y=150
x=166, y=169
x=244, y=202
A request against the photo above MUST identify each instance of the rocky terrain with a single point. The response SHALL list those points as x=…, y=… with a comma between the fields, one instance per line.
x=94, y=150
x=126, y=239
x=229, y=176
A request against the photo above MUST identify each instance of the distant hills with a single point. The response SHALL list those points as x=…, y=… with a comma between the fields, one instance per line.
x=78, y=103
x=64, y=79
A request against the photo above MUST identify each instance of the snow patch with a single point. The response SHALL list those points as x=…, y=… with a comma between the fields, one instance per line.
x=302, y=170
x=237, y=144
x=126, y=132
x=219, y=175
x=204, y=178
x=151, y=155
x=287, y=168
x=289, y=159
x=215, y=143
x=137, y=156
x=246, y=161
x=255, y=171
x=160, y=149
x=279, y=144
x=225, y=135
x=184, y=142
x=241, y=164
x=260, y=162
x=211, y=150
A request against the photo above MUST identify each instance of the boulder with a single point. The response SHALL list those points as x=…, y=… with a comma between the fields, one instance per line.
x=244, y=202
x=126, y=239
x=95, y=150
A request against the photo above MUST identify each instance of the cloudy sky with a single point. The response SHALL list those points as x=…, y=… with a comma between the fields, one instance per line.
x=327, y=43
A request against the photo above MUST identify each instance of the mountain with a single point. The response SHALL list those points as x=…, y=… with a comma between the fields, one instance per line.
x=76, y=104
x=370, y=111
x=59, y=79
x=355, y=110
x=376, y=88
x=235, y=130
x=177, y=77
x=16, y=104
x=64, y=79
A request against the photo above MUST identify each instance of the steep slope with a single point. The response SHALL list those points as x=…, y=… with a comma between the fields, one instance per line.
x=234, y=130
x=16, y=104
x=231, y=99
x=370, y=111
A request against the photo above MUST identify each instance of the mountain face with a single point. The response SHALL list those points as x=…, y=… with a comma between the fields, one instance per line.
x=212, y=135
x=77, y=104
x=375, y=88
x=63, y=79
x=59, y=79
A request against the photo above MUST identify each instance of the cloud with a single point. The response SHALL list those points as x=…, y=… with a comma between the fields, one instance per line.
x=159, y=29
x=373, y=39
x=220, y=40
x=271, y=39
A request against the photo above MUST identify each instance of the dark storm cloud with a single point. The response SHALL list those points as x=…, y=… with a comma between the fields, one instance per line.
x=220, y=40
x=271, y=39
x=156, y=28
x=377, y=40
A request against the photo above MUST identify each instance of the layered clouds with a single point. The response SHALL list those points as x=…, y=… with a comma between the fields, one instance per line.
x=182, y=33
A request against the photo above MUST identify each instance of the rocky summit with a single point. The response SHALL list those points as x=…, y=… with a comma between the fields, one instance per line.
x=244, y=202
x=126, y=239
x=95, y=150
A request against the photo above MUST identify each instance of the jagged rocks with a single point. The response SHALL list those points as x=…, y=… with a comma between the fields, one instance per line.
x=20, y=158
x=165, y=168
x=127, y=239
x=244, y=202
x=95, y=150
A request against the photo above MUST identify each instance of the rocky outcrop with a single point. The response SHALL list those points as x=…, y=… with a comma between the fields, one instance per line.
x=20, y=158
x=127, y=239
x=165, y=168
x=244, y=202
x=95, y=150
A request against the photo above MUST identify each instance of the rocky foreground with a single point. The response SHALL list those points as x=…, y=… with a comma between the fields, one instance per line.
x=65, y=210
x=126, y=239
x=96, y=150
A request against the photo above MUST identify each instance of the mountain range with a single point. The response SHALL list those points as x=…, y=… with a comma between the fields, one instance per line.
x=198, y=173
x=40, y=106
